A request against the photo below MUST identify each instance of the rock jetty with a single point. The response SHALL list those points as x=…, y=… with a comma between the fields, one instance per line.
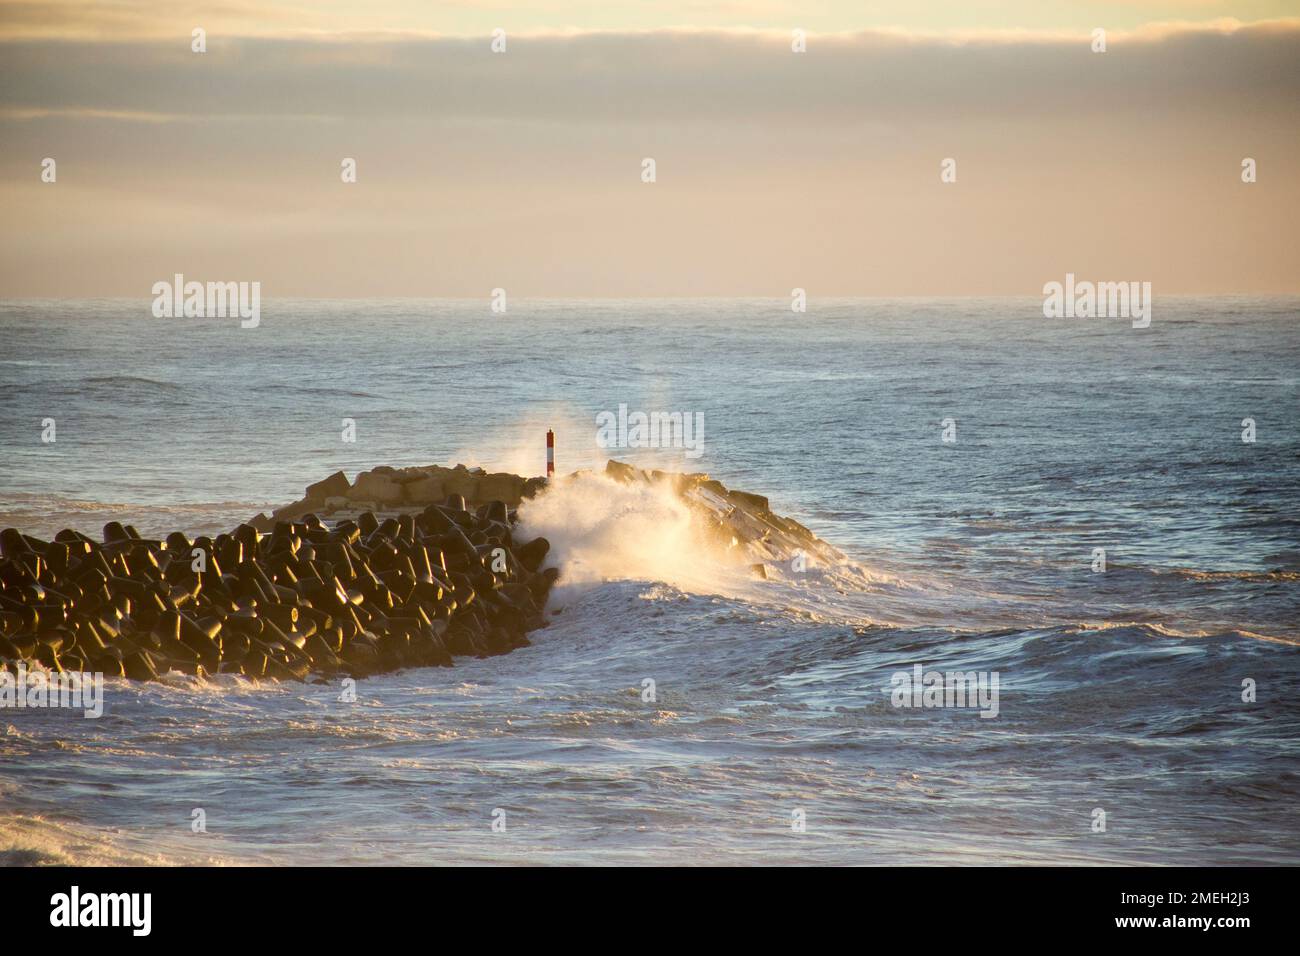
x=300, y=600
x=742, y=522
x=404, y=567
x=401, y=490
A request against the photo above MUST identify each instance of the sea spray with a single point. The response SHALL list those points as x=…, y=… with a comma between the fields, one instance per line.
x=602, y=529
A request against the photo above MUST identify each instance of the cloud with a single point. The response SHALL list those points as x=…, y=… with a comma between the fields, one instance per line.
x=668, y=76
x=775, y=169
x=126, y=19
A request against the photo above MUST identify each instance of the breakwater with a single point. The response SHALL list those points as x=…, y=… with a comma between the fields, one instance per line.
x=298, y=600
x=400, y=568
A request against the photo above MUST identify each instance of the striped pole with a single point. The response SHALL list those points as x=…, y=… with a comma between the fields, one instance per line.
x=550, y=453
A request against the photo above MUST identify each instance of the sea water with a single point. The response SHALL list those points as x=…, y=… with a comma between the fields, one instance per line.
x=972, y=459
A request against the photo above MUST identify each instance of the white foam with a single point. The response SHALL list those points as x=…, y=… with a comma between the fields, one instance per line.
x=601, y=529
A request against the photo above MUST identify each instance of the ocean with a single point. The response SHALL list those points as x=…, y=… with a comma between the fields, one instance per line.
x=1147, y=713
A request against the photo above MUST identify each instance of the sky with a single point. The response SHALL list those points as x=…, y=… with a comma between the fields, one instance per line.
x=104, y=19
x=774, y=169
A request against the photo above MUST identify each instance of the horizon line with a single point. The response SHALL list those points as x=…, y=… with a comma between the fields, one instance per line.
x=514, y=298
x=1153, y=31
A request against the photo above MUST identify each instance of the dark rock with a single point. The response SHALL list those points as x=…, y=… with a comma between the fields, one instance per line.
x=755, y=503
x=334, y=486
x=139, y=665
x=284, y=599
x=620, y=471
x=532, y=554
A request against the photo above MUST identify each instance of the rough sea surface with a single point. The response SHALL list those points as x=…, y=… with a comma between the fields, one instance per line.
x=1120, y=691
